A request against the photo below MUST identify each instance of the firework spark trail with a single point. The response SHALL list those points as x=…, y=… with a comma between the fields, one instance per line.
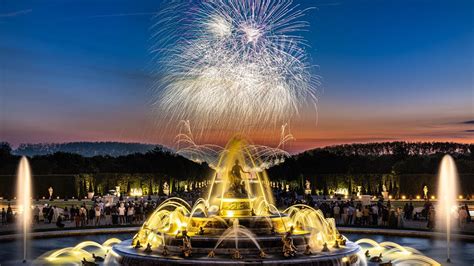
x=266, y=156
x=236, y=65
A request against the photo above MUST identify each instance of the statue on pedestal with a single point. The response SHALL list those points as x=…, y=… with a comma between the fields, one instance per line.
x=186, y=248
x=384, y=192
x=137, y=245
x=236, y=186
x=211, y=254
x=50, y=191
x=166, y=188
x=307, y=190
x=148, y=248
x=201, y=231
x=88, y=263
x=236, y=255
x=425, y=192
x=97, y=258
x=376, y=258
x=325, y=248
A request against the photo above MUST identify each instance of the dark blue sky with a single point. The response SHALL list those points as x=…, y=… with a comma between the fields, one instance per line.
x=79, y=70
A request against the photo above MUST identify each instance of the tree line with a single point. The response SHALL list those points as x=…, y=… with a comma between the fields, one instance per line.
x=405, y=167
x=158, y=160
x=398, y=165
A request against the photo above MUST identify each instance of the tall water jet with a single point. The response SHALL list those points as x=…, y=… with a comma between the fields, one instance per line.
x=24, y=201
x=447, y=191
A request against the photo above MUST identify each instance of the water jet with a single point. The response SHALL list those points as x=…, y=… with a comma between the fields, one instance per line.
x=24, y=202
x=447, y=191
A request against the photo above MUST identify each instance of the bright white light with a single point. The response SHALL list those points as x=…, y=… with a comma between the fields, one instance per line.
x=252, y=34
x=219, y=27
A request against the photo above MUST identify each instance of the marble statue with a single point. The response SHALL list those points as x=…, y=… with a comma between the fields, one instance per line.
x=50, y=191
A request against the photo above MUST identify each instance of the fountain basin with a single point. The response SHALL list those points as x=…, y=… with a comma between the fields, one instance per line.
x=127, y=255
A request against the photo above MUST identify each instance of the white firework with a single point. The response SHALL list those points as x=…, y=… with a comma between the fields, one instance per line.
x=232, y=65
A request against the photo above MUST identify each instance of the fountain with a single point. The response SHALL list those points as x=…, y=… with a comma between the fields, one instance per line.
x=237, y=223
x=447, y=191
x=24, y=201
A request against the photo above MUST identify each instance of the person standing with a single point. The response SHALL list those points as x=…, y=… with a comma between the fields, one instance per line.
x=83, y=213
x=130, y=214
x=375, y=214
x=9, y=214
x=107, y=213
x=91, y=215
x=411, y=209
x=385, y=215
x=345, y=214
x=365, y=213
x=4, y=217
x=77, y=218
x=36, y=212
x=400, y=222
x=55, y=213
x=50, y=214
x=337, y=215
x=350, y=214
x=406, y=211
x=66, y=214
x=121, y=211
x=97, y=215
x=468, y=220
x=431, y=218
x=72, y=213
x=462, y=217
x=358, y=216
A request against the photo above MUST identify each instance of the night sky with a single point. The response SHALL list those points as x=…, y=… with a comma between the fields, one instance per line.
x=391, y=70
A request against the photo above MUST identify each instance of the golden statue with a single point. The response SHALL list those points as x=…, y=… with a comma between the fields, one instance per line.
x=236, y=183
x=289, y=249
x=186, y=248
x=236, y=255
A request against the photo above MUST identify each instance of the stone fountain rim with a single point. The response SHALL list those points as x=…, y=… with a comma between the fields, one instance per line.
x=123, y=249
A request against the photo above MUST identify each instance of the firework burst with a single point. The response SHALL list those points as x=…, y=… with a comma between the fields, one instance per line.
x=234, y=65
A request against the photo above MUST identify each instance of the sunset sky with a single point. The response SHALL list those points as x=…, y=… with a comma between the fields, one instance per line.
x=391, y=70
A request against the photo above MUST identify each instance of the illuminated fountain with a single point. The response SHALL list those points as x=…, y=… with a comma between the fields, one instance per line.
x=237, y=223
x=447, y=191
x=24, y=202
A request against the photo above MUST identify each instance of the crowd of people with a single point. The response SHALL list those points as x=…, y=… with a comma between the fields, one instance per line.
x=134, y=211
x=121, y=211
x=349, y=212
x=7, y=216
